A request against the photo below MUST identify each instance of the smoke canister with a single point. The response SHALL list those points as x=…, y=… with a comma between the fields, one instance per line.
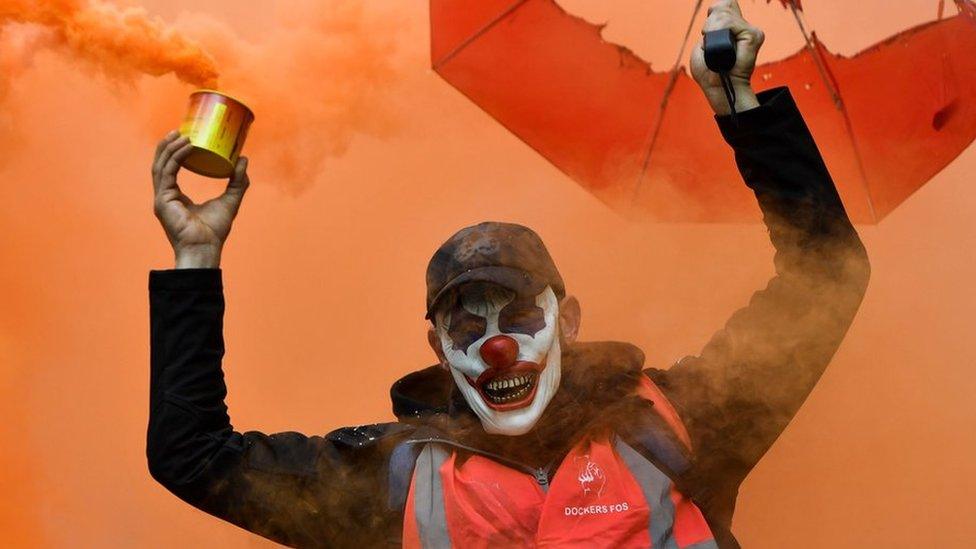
x=217, y=125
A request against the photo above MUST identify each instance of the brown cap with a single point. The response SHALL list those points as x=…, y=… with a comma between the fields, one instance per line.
x=507, y=254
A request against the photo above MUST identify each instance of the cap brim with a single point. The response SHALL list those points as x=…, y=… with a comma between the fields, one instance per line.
x=514, y=279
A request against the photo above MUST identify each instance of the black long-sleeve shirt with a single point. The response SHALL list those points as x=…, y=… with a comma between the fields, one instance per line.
x=735, y=397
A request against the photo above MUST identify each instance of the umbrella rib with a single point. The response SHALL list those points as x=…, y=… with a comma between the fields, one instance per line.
x=477, y=34
x=839, y=104
x=834, y=93
x=860, y=164
x=664, y=103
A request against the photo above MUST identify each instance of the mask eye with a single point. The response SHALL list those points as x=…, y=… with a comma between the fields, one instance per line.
x=465, y=329
x=521, y=317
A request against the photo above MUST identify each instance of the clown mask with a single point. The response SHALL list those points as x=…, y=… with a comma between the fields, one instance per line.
x=503, y=352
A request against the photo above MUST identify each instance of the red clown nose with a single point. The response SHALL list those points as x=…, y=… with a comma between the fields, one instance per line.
x=499, y=351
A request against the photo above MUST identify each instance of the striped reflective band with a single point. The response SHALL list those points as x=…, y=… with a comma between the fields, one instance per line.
x=656, y=487
x=428, y=499
x=657, y=492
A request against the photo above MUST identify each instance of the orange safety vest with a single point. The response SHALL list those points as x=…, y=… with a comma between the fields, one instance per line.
x=604, y=494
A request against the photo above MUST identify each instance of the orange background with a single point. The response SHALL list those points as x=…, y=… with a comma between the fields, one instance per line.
x=362, y=162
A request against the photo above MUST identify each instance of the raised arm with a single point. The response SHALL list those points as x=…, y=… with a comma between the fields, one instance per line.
x=738, y=395
x=295, y=489
x=292, y=488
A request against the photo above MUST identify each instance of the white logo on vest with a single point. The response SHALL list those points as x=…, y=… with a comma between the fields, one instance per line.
x=592, y=481
x=590, y=476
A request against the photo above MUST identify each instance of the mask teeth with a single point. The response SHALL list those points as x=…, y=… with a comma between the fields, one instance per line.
x=501, y=390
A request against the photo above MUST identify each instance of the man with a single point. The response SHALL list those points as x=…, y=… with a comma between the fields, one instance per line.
x=520, y=435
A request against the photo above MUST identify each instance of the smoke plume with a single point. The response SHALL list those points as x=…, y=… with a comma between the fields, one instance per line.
x=324, y=75
x=121, y=42
x=320, y=77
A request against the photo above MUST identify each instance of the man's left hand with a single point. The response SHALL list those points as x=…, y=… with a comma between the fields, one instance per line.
x=725, y=14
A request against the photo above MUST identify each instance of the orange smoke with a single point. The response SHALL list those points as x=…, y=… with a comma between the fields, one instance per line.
x=336, y=81
x=324, y=69
x=121, y=42
x=321, y=75
x=325, y=293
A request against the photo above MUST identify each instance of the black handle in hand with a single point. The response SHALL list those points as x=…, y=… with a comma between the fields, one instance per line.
x=720, y=57
x=720, y=50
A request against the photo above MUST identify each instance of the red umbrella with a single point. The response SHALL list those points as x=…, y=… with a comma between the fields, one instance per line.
x=644, y=141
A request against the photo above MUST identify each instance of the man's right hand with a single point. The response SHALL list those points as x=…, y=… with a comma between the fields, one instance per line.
x=197, y=232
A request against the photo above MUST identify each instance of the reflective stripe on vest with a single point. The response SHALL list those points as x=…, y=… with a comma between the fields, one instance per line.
x=660, y=494
x=673, y=522
x=657, y=491
x=427, y=499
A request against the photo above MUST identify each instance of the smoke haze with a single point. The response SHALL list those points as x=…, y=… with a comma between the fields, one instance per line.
x=121, y=42
x=324, y=72
x=362, y=162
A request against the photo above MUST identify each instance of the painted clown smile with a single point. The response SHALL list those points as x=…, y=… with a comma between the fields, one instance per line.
x=511, y=389
x=503, y=352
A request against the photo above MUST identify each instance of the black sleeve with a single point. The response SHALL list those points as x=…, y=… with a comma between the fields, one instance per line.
x=738, y=395
x=295, y=489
